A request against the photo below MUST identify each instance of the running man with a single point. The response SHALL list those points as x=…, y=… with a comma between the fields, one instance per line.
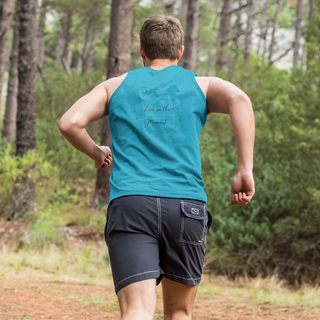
x=157, y=217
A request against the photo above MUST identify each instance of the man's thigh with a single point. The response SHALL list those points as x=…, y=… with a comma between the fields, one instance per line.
x=132, y=238
x=184, y=225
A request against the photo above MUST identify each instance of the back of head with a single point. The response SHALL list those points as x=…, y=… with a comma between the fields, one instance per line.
x=161, y=37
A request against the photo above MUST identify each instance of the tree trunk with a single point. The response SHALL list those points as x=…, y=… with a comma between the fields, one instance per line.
x=190, y=52
x=238, y=27
x=90, y=56
x=224, y=34
x=40, y=35
x=23, y=195
x=184, y=12
x=64, y=38
x=262, y=27
x=6, y=12
x=250, y=21
x=10, y=117
x=274, y=28
x=311, y=9
x=118, y=63
x=237, y=33
x=83, y=50
x=309, y=54
x=67, y=53
x=297, y=32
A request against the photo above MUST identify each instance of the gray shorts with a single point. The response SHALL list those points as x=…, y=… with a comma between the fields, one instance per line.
x=152, y=238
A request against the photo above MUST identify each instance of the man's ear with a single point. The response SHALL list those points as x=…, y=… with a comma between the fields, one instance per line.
x=180, y=53
x=142, y=53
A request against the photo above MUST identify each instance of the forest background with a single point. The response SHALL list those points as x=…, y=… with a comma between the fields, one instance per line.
x=53, y=52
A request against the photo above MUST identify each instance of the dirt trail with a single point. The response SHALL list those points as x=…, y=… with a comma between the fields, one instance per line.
x=29, y=298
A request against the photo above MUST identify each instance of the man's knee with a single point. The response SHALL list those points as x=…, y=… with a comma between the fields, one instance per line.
x=138, y=300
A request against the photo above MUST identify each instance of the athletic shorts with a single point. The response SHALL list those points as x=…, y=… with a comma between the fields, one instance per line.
x=152, y=238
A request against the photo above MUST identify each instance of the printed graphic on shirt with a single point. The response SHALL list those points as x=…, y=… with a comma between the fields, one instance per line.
x=158, y=116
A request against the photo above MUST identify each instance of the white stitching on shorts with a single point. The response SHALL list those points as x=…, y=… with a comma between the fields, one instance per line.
x=181, y=277
x=138, y=274
x=159, y=217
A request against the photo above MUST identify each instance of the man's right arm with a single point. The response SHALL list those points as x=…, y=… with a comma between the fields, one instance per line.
x=224, y=97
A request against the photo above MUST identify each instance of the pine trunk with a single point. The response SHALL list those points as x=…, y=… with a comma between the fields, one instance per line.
x=10, y=117
x=40, y=35
x=238, y=26
x=297, y=32
x=67, y=53
x=90, y=56
x=184, y=12
x=6, y=12
x=23, y=195
x=224, y=34
x=274, y=28
x=79, y=67
x=190, y=52
x=64, y=38
x=262, y=27
x=118, y=63
x=250, y=21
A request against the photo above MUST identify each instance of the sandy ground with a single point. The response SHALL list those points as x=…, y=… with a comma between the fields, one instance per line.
x=23, y=297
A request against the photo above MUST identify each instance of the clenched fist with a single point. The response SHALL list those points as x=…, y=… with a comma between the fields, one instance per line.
x=242, y=188
x=106, y=158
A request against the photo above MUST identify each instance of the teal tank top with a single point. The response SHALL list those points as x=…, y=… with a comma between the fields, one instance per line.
x=155, y=122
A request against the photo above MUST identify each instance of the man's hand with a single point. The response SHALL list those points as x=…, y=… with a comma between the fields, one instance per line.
x=242, y=189
x=106, y=158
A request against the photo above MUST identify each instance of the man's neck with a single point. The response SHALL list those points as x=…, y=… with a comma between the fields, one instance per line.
x=159, y=64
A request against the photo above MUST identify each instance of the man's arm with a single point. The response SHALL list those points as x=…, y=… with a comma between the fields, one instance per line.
x=224, y=97
x=87, y=109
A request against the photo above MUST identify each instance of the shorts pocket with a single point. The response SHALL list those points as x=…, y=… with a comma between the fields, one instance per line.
x=193, y=223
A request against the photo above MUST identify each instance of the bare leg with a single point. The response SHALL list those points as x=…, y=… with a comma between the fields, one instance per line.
x=177, y=300
x=138, y=300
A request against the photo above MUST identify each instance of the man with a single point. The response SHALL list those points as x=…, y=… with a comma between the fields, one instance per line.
x=157, y=218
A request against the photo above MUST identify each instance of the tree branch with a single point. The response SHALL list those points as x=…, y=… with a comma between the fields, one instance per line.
x=282, y=55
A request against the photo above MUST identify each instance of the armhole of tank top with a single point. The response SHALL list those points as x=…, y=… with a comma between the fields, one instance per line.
x=116, y=91
x=193, y=76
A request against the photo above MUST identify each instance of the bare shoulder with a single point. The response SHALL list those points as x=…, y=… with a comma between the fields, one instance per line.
x=218, y=92
x=204, y=83
x=112, y=84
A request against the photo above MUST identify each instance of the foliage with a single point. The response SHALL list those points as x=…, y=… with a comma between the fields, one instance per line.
x=31, y=166
x=279, y=230
x=56, y=92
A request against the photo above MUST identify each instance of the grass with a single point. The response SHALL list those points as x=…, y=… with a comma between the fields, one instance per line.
x=46, y=253
x=263, y=290
x=89, y=264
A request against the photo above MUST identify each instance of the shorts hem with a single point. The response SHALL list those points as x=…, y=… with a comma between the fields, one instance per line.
x=182, y=280
x=139, y=277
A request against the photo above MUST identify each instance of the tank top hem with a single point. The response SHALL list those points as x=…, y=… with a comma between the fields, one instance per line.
x=176, y=195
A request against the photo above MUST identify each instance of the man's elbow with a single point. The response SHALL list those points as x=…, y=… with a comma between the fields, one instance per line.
x=245, y=99
x=239, y=98
x=65, y=125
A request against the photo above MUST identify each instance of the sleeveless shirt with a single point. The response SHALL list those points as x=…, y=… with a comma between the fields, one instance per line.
x=155, y=122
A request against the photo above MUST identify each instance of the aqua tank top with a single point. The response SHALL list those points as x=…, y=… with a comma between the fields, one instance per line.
x=155, y=122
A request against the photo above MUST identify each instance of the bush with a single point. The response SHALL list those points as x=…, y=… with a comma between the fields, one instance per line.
x=278, y=232
x=30, y=166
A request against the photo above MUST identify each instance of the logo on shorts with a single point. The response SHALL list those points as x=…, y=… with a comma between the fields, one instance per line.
x=194, y=211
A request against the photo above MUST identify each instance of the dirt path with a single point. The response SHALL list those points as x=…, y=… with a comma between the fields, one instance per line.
x=33, y=298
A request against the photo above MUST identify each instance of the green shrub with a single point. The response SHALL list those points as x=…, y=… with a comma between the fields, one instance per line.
x=31, y=166
x=278, y=232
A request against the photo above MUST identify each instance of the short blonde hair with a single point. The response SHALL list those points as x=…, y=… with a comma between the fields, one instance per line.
x=161, y=37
